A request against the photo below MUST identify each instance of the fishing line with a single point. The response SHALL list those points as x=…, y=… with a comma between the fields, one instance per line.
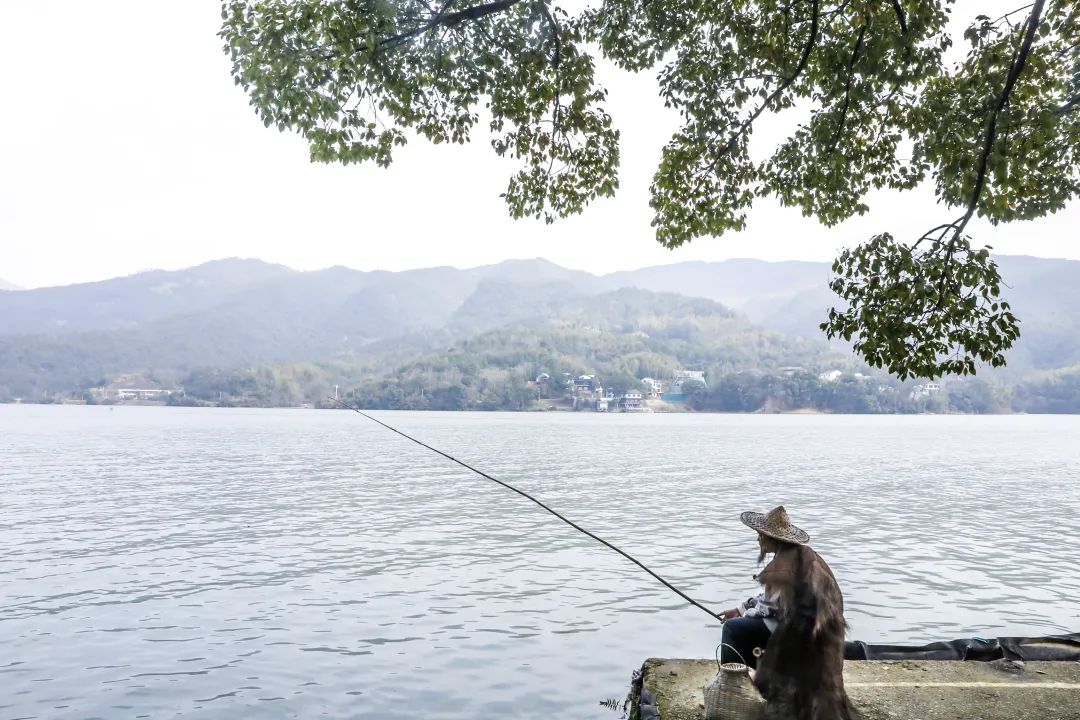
x=527, y=496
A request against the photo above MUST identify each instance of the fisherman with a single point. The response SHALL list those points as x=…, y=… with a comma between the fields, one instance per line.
x=748, y=626
x=796, y=623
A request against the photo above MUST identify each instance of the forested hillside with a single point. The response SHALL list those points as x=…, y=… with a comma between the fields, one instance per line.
x=248, y=331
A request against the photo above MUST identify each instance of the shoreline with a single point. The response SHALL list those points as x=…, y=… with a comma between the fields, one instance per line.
x=686, y=411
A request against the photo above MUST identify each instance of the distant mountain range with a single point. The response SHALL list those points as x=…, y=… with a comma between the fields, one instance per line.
x=5, y=285
x=240, y=313
x=793, y=297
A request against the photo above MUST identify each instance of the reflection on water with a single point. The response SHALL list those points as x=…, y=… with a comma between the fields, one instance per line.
x=276, y=563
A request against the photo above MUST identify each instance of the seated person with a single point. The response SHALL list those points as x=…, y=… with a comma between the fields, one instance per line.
x=798, y=620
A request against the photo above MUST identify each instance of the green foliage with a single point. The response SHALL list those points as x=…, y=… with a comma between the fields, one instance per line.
x=978, y=397
x=620, y=336
x=922, y=313
x=997, y=132
x=287, y=385
x=1057, y=392
x=852, y=394
x=1025, y=133
x=353, y=76
x=694, y=392
x=327, y=317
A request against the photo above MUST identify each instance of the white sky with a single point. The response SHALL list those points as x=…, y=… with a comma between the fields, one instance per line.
x=124, y=146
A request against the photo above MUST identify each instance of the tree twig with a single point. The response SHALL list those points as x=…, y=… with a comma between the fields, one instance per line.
x=1011, y=12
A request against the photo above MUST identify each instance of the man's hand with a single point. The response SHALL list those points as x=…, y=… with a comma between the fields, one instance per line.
x=729, y=614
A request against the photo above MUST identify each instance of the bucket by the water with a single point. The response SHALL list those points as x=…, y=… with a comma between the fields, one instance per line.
x=731, y=695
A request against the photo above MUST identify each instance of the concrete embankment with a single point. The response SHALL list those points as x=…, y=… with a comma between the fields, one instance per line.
x=904, y=690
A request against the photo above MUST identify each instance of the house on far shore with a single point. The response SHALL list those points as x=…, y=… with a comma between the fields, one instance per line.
x=674, y=393
x=129, y=393
x=585, y=385
x=683, y=376
x=651, y=388
x=142, y=393
x=631, y=402
x=920, y=391
x=589, y=394
x=130, y=387
x=830, y=376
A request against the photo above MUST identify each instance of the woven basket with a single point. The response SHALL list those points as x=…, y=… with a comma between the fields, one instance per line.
x=731, y=695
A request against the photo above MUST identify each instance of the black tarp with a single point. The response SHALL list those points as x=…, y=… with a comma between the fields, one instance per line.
x=1051, y=647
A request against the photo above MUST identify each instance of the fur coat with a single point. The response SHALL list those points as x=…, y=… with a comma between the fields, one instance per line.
x=801, y=673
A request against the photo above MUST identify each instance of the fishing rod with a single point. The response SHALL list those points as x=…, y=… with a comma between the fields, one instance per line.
x=527, y=496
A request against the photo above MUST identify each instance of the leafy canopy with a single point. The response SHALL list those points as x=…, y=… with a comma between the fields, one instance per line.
x=997, y=133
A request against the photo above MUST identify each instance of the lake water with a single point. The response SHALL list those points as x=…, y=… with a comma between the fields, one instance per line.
x=196, y=563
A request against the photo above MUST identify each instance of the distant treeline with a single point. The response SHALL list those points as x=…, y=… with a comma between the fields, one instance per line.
x=497, y=389
x=620, y=337
x=763, y=392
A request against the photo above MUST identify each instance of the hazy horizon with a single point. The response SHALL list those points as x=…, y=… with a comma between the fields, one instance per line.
x=456, y=267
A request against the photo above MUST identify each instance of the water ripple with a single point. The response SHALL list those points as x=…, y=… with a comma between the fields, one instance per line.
x=270, y=563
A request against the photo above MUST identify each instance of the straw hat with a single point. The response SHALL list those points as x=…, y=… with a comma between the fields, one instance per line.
x=775, y=524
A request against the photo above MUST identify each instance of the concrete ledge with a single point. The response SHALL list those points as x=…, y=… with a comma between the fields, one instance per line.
x=905, y=690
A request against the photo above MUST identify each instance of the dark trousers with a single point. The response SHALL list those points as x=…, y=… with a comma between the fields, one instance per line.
x=744, y=634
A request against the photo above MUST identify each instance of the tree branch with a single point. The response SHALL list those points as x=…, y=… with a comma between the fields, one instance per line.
x=900, y=16
x=438, y=17
x=1011, y=12
x=478, y=11
x=847, y=89
x=556, y=59
x=557, y=56
x=803, y=59
x=451, y=20
x=991, y=128
x=1017, y=66
x=1068, y=107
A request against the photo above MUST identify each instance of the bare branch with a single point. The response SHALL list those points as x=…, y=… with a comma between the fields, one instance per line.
x=1011, y=12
